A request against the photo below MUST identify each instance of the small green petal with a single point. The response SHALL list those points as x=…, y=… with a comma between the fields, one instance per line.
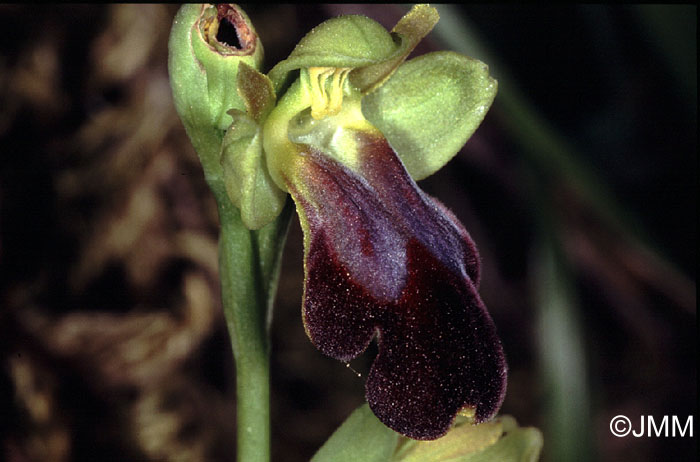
x=256, y=91
x=410, y=30
x=248, y=183
x=430, y=107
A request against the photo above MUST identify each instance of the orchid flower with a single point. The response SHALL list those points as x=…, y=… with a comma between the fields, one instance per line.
x=346, y=126
x=380, y=256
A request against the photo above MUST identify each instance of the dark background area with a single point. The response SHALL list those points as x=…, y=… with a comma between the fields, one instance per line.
x=579, y=189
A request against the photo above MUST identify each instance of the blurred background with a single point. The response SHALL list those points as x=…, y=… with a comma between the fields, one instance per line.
x=579, y=189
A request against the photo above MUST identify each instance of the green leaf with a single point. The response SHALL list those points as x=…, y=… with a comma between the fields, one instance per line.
x=361, y=438
x=430, y=107
x=247, y=181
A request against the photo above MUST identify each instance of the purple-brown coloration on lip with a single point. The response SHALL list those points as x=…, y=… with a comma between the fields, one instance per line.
x=383, y=257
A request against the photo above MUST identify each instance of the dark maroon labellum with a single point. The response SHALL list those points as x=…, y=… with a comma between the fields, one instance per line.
x=384, y=258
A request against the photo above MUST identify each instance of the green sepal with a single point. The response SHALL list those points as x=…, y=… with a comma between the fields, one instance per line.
x=500, y=440
x=430, y=107
x=360, y=43
x=246, y=178
x=346, y=41
x=517, y=444
x=361, y=438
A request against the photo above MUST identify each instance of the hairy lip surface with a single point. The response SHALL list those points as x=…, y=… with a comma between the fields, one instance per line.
x=384, y=258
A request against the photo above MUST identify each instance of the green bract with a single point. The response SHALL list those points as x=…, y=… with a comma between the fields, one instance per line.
x=203, y=78
x=361, y=438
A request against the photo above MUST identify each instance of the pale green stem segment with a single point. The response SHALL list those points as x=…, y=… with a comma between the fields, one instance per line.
x=249, y=263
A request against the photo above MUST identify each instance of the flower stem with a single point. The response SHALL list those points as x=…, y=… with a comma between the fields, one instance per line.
x=249, y=264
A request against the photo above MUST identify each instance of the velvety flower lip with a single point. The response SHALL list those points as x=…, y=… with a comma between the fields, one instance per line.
x=382, y=257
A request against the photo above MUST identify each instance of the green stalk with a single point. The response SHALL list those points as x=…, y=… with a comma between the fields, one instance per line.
x=245, y=322
x=249, y=264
